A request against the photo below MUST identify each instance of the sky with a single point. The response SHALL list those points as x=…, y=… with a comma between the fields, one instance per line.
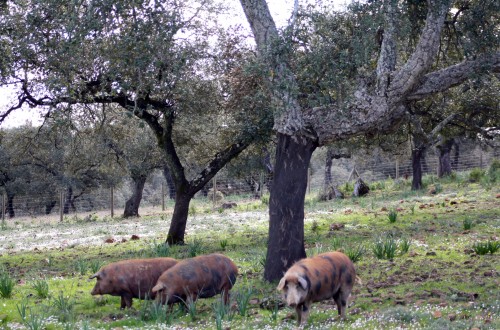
x=281, y=11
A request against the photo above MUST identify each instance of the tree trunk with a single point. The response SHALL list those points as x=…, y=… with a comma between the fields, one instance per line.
x=417, y=155
x=444, y=165
x=456, y=156
x=68, y=201
x=170, y=182
x=132, y=204
x=328, y=168
x=10, y=205
x=286, y=205
x=49, y=206
x=179, y=218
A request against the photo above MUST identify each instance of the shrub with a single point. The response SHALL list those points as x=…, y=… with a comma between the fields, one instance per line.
x=494, y=171
x=64, y=307
x=242, y=299
x=476, y=174
x=404, y=245
x=223, y=244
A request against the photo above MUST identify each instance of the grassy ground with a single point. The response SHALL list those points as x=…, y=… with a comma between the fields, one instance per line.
x=440, y=282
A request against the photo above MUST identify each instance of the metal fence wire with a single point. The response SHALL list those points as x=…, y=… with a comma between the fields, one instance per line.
x=112, y=201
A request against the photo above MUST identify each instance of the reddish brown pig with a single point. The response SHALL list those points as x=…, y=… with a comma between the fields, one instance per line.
x=130, y=278
x=327, y=275
x=199, y=277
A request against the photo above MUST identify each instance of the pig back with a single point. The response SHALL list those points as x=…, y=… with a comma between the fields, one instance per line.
x=201, y=277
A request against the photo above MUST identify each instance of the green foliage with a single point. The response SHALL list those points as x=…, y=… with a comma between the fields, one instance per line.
x=221, y=311
x=6, y=284
x=95, y=265
x=31, y=319
x=476, y=174
x=81, y=266
x=404, y=245
x=355, y=253
x=468, y=223
x=194, y=248
x=41, y=288
x=161, y=249
x=483, y=248
x=385, y=248
x=494, y=171
x=152, y=310
x=392, y=215
x=242, y=297
x=223, y=244
x=64, y=307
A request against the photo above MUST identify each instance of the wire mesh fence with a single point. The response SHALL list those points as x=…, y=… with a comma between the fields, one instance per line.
x=110, y=202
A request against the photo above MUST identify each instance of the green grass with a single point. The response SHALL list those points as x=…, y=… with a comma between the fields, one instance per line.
x=434, y=267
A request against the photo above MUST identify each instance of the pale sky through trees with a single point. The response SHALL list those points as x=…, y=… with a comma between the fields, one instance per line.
x=280, y=9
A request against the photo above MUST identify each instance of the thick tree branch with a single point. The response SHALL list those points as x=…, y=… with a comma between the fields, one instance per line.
x=387, y=58
x=407, y=78
x=443, y=79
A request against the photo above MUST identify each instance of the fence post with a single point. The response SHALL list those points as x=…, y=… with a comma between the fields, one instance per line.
x=480, y=159
x=214, y=190
x=61, y=206
x=162, y=196
x=3, y=207
x=309, y=174
x=261, y=184
x=397, y=169
x=112, y=197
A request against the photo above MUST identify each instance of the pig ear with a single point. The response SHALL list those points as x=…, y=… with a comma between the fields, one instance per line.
x=96, y=275
x=281, y=284
x=158, y=287
x=302, y=282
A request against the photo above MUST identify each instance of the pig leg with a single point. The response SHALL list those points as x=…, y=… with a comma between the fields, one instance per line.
x=303, y=311
x=341, y=301
x=126, y=301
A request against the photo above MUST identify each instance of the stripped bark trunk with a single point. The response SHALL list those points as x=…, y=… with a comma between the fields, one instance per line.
x=417, y=155
x=133, y=203
x=444, y=155
x=286, y=204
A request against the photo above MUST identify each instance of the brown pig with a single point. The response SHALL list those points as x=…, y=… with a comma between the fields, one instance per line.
x=130, y=278
x=327, y=275
x=198, y=277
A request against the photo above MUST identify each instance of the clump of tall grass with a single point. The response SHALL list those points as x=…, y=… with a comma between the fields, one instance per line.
x=64, y=307
x=483, y=248
x=392, y=215
x=41, y=288
x=387, y=247
x=242, y=297
x=6, y=284
x=161, y=249
x=195, y=247
x=468, y=223
x=81, y=266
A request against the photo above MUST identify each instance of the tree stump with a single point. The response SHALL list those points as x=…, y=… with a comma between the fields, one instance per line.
x=360, y=188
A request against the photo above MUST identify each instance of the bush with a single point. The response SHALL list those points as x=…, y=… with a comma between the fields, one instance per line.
x=494, y=171
x=476, y=174
x=42, y=288
x=392, y=215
